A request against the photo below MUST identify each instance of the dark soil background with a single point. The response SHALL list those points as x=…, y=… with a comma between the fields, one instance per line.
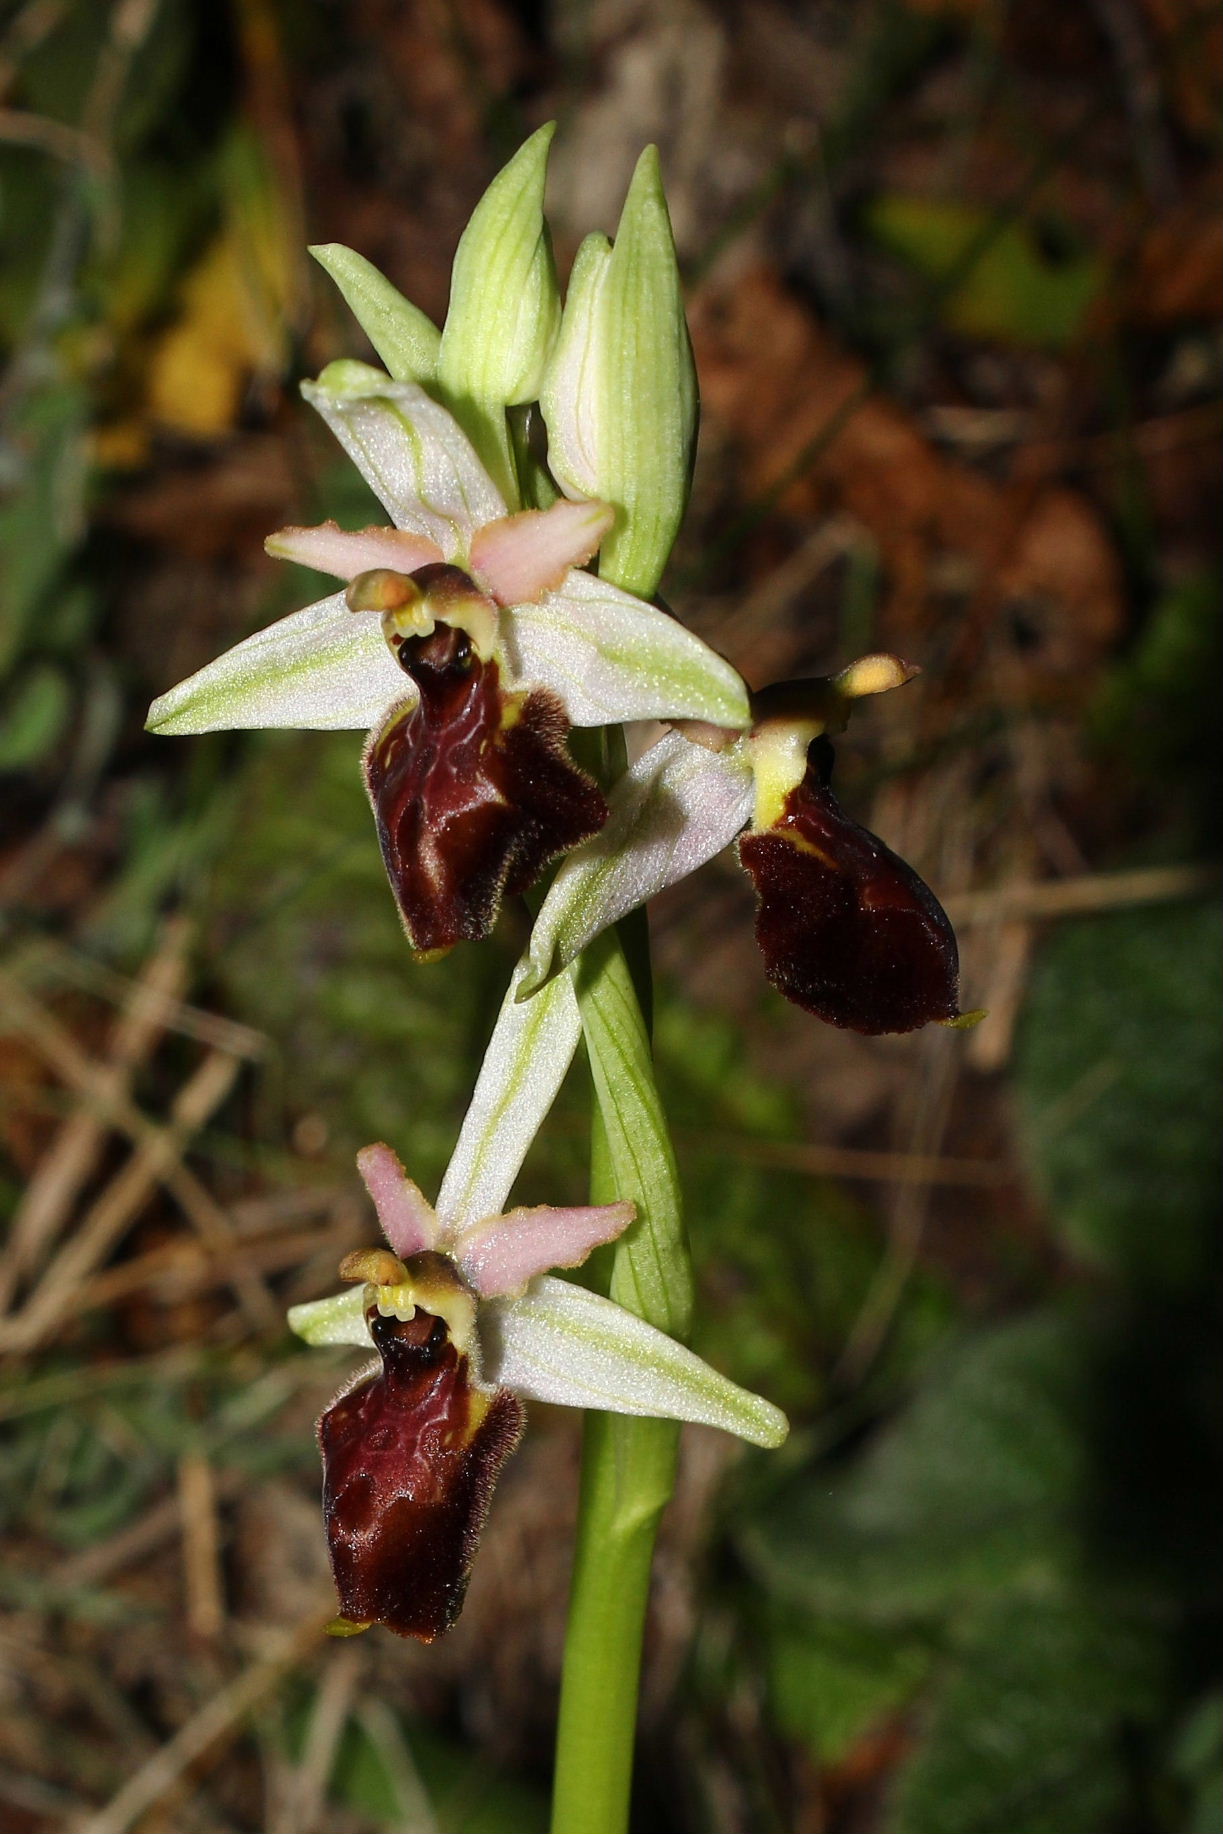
x=956, y=278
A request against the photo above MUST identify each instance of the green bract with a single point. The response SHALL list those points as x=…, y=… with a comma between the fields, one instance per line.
x=619, y=397
x=404, y=338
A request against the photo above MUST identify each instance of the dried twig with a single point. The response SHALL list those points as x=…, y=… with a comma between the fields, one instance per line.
x=1097, y=891
x=306, y=1795
x=158, y=1158
x=201, y=1532
x=62, y=141
x=121, y=1201
x=216, y=1721
x=74, y=1153
x=852, y=1162
x=80, y=970
x=181, y=1269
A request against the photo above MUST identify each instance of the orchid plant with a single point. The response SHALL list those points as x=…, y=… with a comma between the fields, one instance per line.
x=534, y=458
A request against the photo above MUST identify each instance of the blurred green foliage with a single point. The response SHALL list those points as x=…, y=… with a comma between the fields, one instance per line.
x=1119, y=1047
x=1027, y=283
x=1156, y=716
x=307, y=945
x=1026, y=1553
x=784, y=1259
x=464, y=1795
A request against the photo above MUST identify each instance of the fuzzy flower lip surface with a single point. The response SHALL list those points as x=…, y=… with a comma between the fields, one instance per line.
x=607, y=655
x=847, y=929
x=465, y=1324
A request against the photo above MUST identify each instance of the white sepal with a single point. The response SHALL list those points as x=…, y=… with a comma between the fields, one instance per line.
x=677, y=807
x=325, y=667
x=339, y=1319
x=531, y=1048
x=411, y=453
x=562, y=1344
x=614, y=657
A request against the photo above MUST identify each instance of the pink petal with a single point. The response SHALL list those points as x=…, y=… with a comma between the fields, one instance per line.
x=408, y=1219
x=332, y=549
x=520, y=558
x=501, y=1254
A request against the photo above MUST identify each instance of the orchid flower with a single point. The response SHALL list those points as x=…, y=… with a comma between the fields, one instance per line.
x=848, y=930
x=467, y=642
x=465, y=1321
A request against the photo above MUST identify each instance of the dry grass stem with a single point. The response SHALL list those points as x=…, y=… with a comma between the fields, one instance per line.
x=306, y=1794
x=201, y=1532
x=1102, y=891
x=158, y=1158
x=205, y=1732
x=853, y=1162
x=74, y=1153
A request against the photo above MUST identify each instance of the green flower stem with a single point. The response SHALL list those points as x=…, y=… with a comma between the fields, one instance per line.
x=628, y=1464
x=628, y=1473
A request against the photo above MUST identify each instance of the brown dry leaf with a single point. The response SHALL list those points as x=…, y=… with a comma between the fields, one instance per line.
x=1190, y=35
x=200, y=369
x=220, y=506
x=1179, y=271
x=776, y=379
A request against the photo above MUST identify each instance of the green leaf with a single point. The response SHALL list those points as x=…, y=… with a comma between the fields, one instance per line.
x=404, y=337
x=42, y=507
x=1155, y=711
x=1118, y=1042
x=831, y=1682
x=980, y=1486
x=34, y=715
x=1023, y=288
x=1197, y=1763
x=1033, y=1730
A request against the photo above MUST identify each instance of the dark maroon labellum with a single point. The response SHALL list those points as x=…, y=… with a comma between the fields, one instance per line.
x=848, y=930
x=410, y=1457
x=473, y=790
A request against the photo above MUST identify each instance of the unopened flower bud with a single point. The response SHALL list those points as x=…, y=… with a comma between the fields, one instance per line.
x=619, y=397
x=504, y=308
